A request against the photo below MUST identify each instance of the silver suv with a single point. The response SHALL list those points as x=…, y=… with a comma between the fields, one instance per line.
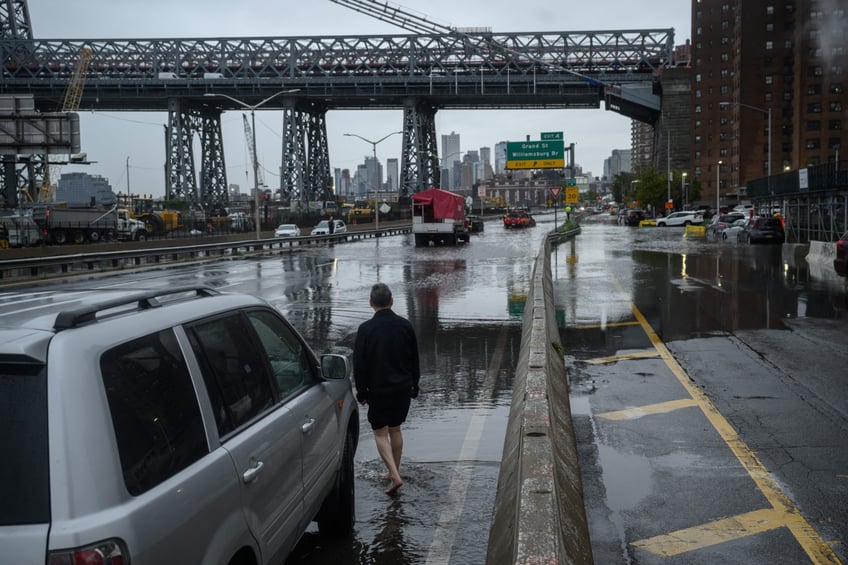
x=177, y=426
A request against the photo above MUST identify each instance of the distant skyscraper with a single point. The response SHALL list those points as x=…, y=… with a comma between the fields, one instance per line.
x=619, y=162
x=450, y=149
x=392, y=175
x=485, y=162
x=500, y=157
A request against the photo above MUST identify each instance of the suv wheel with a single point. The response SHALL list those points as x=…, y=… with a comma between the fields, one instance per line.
x=338, y=513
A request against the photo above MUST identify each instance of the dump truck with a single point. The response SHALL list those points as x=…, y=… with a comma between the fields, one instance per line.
x=438, y=218
x=78, y=225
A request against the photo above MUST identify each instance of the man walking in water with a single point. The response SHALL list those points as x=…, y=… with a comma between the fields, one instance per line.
x=386, y=371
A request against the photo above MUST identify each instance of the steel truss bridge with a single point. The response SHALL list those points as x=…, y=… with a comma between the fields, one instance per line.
x=419, y=73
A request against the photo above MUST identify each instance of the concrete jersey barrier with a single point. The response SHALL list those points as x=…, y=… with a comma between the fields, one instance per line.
x=539, y=514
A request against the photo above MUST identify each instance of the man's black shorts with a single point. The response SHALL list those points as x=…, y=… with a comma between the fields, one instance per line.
x=388, y=408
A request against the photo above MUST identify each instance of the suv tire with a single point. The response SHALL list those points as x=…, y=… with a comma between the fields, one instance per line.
x=338, y=512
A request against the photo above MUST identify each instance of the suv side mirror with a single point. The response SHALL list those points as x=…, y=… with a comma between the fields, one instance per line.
x=335, y=367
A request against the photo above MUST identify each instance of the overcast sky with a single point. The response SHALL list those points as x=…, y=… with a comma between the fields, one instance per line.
x=112, y=138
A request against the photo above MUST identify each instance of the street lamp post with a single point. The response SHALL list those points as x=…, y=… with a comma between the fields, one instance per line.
x=252, y=108
x=683, y=191
x=718, y=187
x=767, y=112
x=376, y=180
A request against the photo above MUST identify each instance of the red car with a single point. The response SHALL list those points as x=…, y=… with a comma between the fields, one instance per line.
x=518, y=219
x=840, y=264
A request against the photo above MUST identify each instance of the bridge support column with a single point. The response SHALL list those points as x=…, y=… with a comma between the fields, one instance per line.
x=420, y=159
x=306, y=173
x=181, y=178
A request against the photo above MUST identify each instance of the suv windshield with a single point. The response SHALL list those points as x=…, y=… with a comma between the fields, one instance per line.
x=24, y=485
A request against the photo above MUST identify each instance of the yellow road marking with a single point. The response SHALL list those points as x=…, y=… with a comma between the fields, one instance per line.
x=625, y=357
x=809, y=540
x=639, y=411
x=610, y=325
x=720, y=531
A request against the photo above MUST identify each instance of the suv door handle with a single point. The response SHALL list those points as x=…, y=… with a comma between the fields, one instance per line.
x=308, y=425
x=253, y=473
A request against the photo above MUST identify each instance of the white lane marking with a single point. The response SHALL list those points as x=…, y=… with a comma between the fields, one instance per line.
x=444, y=536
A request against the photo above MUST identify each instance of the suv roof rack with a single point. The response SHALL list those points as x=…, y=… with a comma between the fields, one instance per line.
x=144, y=300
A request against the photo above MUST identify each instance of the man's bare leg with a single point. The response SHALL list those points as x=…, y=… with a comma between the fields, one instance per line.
x=384, y=448
x=396, y=441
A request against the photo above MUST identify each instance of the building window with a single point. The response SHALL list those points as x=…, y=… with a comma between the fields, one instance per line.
x=769, y=79
x=724, y=57
x=725, y=40
x=725, y=25
x=815, y=34
x=698, y=109
x=838, y=50
x=836, y=106
x=722, y=152
x=698, y=93
x=725, y=8
x=723, y=121
x=769, y=45
x=790, y=8
x=836, y=88
x=769, y=27
x=834, y=125
x=814, y=108
x=814, y=71
x=787, y=96
x=724, y=89
x=814, y=125
x=770, y=10
x=836, y=70
x=697, y=139
x=768, y=97
x=814, y=53
x=813, y=144
x=787, y=44
x=813, y=89
x=725, y=73
x=834, y=142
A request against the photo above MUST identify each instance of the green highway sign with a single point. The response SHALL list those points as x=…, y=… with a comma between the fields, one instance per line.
x=551, y=135
x=535, y=154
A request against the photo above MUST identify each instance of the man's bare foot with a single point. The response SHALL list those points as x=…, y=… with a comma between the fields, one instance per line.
x=395, y=484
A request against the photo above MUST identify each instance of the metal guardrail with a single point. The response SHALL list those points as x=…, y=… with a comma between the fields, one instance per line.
x=39, y=268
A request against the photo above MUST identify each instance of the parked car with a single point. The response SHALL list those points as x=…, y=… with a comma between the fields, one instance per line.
x=179, y=425
x=720, y=222
x=323, y=227
x=287, y=230
x=635, y=216
x=762, y=230
x=685, y=218
x=840, y=263
x=475, y=223
x=731, y=232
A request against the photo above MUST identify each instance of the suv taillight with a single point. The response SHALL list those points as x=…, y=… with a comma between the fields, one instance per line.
x=108, y=552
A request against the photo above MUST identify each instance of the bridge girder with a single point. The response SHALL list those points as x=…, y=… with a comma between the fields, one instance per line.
x=14, y=20
x=419, y=168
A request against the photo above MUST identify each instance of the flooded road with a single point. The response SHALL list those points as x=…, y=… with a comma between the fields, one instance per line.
x=743, y=323
x=708, y=398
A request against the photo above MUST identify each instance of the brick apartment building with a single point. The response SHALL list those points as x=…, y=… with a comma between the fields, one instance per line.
x=768, y=84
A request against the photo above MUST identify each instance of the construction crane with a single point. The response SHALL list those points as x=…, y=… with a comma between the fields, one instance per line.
x=248, y=136
x=416, y=23
x=71, y=103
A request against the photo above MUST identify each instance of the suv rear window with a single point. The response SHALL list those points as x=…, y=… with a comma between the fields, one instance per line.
x=24, y=479
x=768, y=223
x=154, y=410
